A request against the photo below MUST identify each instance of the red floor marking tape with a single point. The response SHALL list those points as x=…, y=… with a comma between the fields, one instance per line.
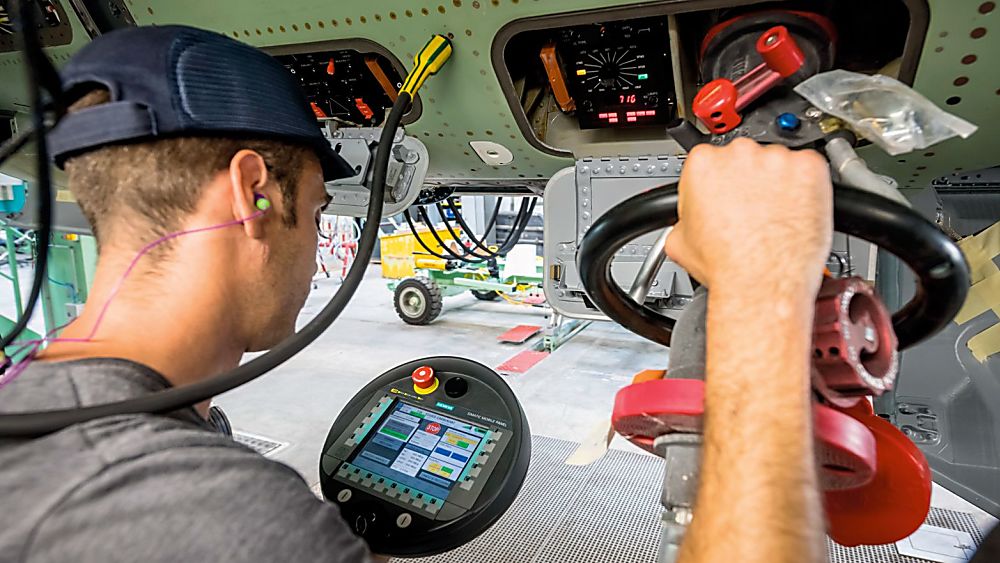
x=519, y=334
x=522, y=362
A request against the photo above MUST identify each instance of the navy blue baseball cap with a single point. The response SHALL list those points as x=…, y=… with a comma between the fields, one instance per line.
x=171, y=81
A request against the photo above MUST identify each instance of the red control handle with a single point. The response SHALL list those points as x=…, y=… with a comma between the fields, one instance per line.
x=845, y=448
x=719, y=102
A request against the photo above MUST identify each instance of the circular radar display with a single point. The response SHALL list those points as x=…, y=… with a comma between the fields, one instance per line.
x=612, y=69
x=619, y=73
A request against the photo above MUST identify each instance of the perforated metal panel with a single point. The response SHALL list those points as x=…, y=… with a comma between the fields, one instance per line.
x=608, y=512
x=598, y=522
x=888, y=554
x=259, y=444
x=548, y=494
x=465, y=103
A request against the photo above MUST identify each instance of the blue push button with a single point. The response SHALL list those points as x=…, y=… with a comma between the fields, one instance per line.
x=788, y=122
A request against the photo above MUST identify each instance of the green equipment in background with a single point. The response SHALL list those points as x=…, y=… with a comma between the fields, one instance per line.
x=72, y=260
x=419, y=299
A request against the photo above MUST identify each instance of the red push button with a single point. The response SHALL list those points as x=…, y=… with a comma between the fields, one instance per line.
x=424, y=381
x=318, y=111
x=364, y=108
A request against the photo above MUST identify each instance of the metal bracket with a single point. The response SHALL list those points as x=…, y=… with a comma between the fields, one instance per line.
x=558, y=332
x=404, y=179
x=591, y=188
x=682, y=458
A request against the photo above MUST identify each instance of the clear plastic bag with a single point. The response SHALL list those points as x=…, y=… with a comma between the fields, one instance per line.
x=883, y=110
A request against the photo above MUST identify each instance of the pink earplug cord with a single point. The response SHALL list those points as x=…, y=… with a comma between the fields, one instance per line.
x=35, y=345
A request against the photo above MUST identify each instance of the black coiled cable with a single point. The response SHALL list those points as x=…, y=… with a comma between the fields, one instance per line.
x=42, y=77
x=521, y=221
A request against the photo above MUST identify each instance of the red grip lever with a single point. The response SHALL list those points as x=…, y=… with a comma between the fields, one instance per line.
x=719, y=102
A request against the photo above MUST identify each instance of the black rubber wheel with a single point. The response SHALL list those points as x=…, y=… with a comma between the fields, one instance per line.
x=418, y=301
x=485, y=295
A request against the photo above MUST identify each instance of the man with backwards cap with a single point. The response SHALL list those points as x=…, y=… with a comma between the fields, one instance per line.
x=172, y=129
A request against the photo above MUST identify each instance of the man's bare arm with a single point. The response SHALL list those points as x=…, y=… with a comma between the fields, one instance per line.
x=755, y=228
x=758, y=499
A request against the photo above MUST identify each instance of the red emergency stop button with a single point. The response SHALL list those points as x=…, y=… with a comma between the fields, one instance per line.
x=424, y=381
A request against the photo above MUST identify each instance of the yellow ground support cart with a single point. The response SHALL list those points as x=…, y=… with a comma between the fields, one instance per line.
x=420, y=282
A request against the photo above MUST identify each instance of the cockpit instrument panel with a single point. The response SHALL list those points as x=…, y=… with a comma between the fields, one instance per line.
x=347, y=85
x=619, y=73
x=52, y=23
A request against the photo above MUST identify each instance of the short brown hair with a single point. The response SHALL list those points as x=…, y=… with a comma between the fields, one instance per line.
x=161, y=180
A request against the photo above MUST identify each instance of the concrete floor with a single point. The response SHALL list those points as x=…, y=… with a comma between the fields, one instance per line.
x=565, y=395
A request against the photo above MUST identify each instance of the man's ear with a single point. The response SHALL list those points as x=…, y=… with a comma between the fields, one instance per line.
x=248, y=175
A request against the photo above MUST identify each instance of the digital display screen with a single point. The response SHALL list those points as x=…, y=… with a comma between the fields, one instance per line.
x=619, y=72
x=420, y=449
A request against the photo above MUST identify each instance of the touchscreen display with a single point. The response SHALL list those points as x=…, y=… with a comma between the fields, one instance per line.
x=420, y=449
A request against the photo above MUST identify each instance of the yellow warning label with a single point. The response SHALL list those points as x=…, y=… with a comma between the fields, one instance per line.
x=984, y=295
x=986, y=343
x=65, y=196
x=981, y=265
x=989, y=240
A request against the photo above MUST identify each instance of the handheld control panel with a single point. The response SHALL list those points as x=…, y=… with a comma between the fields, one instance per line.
x=427, y=456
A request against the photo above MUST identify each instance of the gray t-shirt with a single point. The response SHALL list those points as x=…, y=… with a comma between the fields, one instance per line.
x=148, y=488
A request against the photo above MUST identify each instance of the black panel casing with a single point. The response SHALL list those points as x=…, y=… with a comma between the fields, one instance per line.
x=615, y=57
x=337, y=94
x=487, y=401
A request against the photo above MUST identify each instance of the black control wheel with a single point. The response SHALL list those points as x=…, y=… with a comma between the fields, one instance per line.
x=418, y=301
x=941, y=270
x=489, y=295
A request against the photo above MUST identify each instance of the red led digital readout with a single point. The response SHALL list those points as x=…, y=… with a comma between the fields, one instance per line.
x=626, y=98
x=630, y=116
